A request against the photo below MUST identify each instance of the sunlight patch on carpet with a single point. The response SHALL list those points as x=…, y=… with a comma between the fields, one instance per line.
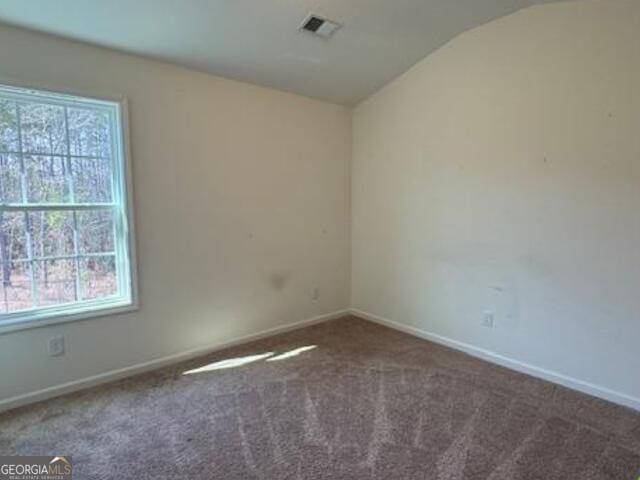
x=292, y=353
x=229, y=363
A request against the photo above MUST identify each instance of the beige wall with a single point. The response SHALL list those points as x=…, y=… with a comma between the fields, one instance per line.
x=242, y=208
x=502, y=173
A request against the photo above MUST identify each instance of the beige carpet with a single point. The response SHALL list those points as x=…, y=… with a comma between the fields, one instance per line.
x=359, y=402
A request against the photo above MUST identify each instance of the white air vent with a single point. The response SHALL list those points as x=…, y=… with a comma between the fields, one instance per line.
x=319, y=26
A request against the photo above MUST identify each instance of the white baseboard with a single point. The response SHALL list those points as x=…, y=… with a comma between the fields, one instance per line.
x=572, y=383
x=118, y=374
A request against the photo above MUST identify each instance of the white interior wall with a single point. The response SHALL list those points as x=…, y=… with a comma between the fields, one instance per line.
x=502, y=173
x=242, y=208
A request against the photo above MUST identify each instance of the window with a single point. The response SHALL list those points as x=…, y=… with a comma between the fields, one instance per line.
x=65, y=247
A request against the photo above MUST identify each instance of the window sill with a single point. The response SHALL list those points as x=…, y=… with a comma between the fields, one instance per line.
x=29, y=320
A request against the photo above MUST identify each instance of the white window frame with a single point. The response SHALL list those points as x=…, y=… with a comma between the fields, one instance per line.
x=122, y=204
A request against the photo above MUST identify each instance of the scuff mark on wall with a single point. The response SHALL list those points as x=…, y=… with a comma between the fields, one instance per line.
x=278, y=280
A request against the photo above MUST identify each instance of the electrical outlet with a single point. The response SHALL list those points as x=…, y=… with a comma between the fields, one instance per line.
x=315, y=295
x=56, y=346
x=487, y=319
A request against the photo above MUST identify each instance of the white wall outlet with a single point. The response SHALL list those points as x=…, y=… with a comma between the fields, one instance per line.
x=487, y=318
x=56, y=346
x=315, y=295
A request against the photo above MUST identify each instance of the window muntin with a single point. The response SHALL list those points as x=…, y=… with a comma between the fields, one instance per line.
x=64, y=234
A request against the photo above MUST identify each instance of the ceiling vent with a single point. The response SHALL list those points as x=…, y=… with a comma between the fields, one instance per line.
x=319, y=26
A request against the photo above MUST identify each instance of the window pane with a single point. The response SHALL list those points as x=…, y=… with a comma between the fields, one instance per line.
x=60, y=149
x=43, y=128
x=51, y=233
x=13, y=237
x=98, y=277
x=10, y=189
x=95, y=230
x=8, y=126
x=16, y=286
x=89, y=133
x=91, y=179
x=55, y=281
x=46, y=180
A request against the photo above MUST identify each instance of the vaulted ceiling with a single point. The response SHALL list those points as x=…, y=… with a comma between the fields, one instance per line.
x=258, y=41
